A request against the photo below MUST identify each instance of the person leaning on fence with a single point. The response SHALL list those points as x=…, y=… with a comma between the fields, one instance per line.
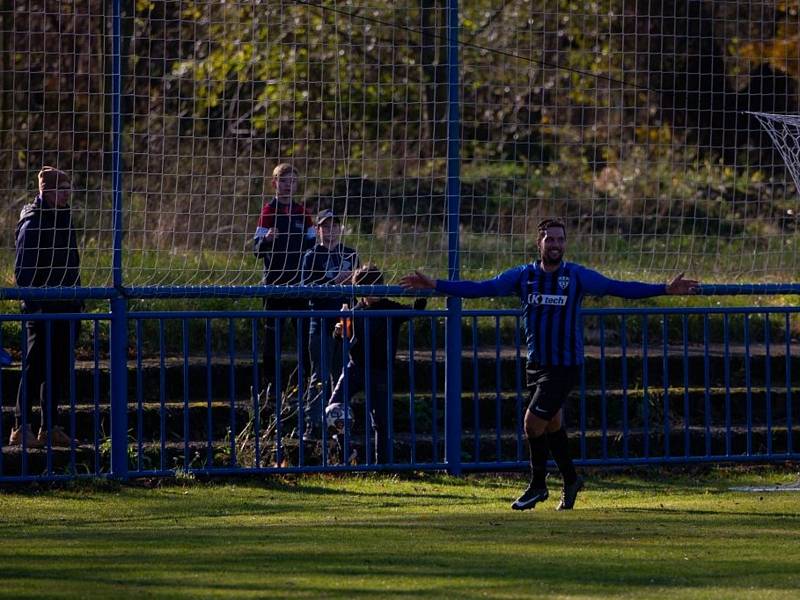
x=329, y=263
x=551, y=291
x=46, y=256
x=284, y=233
x=373, y=340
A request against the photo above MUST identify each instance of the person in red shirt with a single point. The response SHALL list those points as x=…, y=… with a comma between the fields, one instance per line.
x=284, y=233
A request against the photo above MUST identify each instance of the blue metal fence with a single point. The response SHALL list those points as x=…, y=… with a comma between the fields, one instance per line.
x=152, y=393
x=658, y=386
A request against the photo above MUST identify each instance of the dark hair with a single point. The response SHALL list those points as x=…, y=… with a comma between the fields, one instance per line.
x=543, y=226
x=369, y=274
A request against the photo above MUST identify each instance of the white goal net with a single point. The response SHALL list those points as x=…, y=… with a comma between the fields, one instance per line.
x=785, y=133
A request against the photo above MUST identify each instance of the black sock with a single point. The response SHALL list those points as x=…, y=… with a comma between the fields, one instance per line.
x=559, y=448
x=538, y=448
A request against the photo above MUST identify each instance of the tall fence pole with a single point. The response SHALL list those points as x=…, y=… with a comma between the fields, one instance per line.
x=119, y=305
x=453, y=327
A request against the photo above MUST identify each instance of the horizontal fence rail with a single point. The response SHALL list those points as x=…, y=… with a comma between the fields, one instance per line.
x=313, y=291
x=657, y=386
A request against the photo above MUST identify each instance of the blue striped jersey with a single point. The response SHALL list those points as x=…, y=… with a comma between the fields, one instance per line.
x=551, y=304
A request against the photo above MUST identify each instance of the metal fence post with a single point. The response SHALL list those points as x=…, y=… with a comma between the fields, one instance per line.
x=119, y=305
x=116, y=168
x=119, y=388
x=453, y=327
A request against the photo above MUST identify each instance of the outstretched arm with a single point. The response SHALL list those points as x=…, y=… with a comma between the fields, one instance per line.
x=599, y=285
x=502, y=285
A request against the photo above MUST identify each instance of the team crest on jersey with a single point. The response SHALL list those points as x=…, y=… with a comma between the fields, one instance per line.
x=563, y=282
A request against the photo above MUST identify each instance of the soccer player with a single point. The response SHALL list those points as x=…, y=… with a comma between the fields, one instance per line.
x=284, y=233
x=329, y=263
x=551, y=291
x=46, y=256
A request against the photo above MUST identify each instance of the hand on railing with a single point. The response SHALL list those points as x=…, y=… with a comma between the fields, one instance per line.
x=681, y=286
x=417, y=281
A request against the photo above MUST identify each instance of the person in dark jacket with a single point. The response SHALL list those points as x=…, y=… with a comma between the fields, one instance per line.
x=378, y=340
x=329, y=263
x=46, y=256
x=284, y=233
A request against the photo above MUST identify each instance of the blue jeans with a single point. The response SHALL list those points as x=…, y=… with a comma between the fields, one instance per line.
x=325, y=354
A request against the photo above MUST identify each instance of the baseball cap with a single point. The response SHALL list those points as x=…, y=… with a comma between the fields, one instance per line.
x=324, y=215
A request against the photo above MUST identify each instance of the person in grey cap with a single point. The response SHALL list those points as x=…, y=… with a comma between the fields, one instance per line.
x=46, y=256
x=328, y=263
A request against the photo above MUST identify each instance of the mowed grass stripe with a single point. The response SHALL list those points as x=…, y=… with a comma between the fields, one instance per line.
x=426, y=536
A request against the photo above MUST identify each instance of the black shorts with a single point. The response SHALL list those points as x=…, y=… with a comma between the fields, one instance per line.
x=549, y=388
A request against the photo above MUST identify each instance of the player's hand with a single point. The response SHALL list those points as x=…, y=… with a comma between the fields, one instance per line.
x=417, y=281
x=681, y=286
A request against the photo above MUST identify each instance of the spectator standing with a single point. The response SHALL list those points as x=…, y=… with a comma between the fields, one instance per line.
x=284, y=233
x=46, y=256
x=329, y=263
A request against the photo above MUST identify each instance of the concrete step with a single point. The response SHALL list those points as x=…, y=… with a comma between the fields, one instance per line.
x=220, y=417
x=503, y=447
x=489, y=370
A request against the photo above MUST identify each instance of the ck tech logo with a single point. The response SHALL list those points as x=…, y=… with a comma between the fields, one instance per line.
x=547, y=299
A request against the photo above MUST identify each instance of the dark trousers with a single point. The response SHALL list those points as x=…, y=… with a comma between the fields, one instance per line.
x=33, y=383
x=326, y=365
x=379, y=403
x=326, y=354
x=276, y=328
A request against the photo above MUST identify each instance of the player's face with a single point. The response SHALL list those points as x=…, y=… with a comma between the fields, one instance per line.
x=552, y=246
x=285, y=186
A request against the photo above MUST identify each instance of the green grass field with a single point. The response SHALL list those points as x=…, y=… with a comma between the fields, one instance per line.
x=649, y=534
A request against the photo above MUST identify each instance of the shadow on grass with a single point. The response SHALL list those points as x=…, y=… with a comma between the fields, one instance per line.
x=727, y=513
x=367, y=552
